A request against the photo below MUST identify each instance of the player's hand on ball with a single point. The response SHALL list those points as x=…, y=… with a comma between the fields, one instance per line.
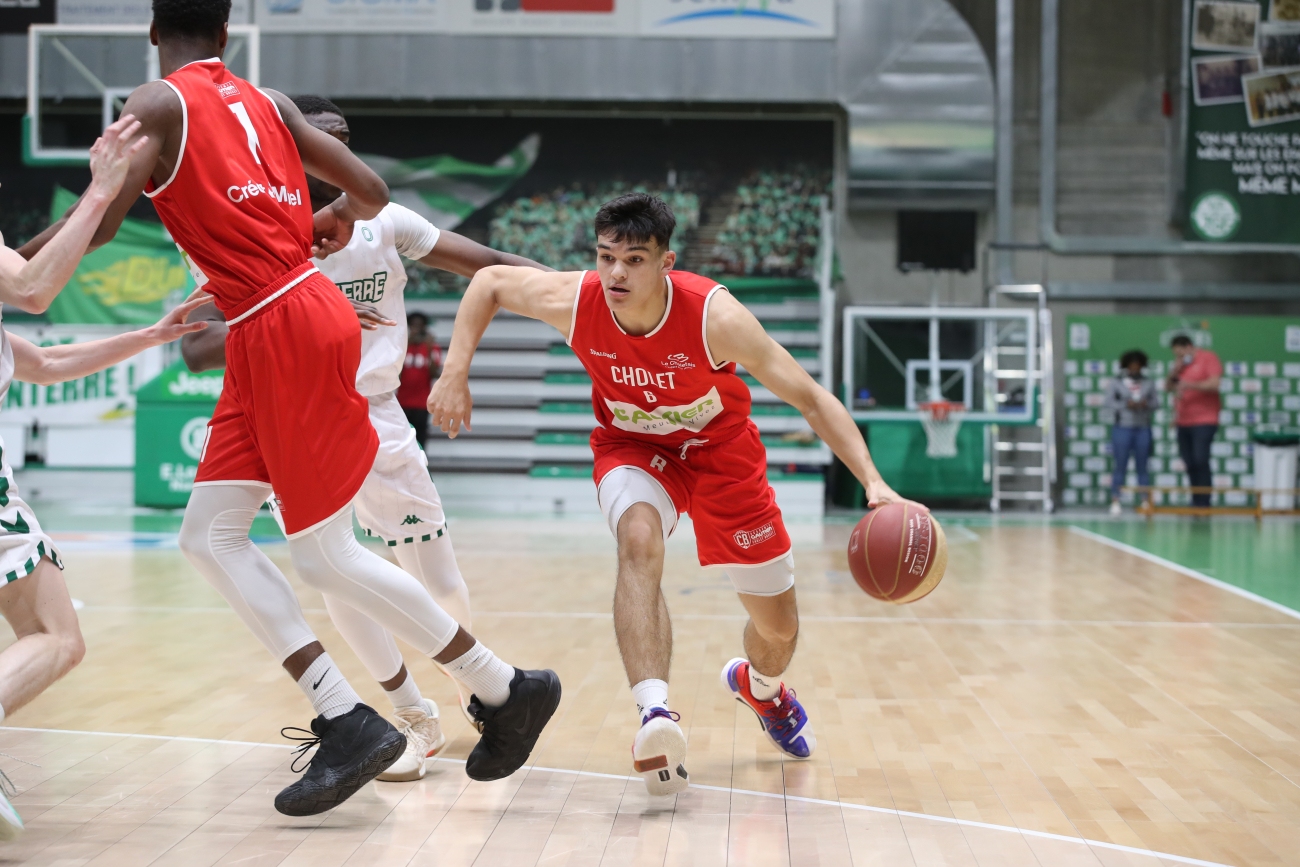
x=173, y=326
x=110, y=155
x=370, y=317
x=879, y=493
x=450, y=405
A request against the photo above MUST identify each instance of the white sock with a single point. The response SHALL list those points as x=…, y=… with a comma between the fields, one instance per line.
x=325, y=688
x=762, y=686
x=480, y=670
x=406, y=695
x=650, y=694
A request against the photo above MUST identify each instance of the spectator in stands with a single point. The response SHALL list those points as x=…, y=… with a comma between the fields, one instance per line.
x=1194, y=380
x=422, y=366
x=1132, y=397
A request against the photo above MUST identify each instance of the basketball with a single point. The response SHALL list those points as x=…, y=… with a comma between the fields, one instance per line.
x=898, y=553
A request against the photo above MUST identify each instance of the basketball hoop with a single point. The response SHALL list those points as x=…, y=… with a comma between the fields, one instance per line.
x=941, y=420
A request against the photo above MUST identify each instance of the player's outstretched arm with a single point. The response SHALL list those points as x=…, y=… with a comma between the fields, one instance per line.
x=735, y=335
x=32, y=285
x=46, y=365
x=547, y=296
x=460, y=255
x=327, y=158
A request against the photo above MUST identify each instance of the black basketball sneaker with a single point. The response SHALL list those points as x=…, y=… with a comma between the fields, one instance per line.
x=508, y=733
x=352, y=750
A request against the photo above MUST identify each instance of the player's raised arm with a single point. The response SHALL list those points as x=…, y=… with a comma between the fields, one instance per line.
x=327, y=158
x=734, y=334
x=32, y=285
x=157, y=109
x=547, y=296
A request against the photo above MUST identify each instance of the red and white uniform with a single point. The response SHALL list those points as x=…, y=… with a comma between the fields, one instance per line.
x=237, y=205
x=666, y=408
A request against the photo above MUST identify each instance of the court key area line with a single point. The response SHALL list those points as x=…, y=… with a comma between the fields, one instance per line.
x=969, y=823
x=1184, y=570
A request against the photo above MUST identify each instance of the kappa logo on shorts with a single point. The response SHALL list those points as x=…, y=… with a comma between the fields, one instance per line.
x=755, y=537
x=411, y=519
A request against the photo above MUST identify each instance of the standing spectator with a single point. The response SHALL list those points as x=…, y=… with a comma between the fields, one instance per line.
x=1132, y=397
x=1194, y=380
x=422, y=366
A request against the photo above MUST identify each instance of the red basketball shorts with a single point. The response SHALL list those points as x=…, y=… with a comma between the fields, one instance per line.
x=289, y=415
x=722, y=485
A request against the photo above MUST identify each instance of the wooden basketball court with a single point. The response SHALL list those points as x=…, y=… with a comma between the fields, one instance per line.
x=1056, y=702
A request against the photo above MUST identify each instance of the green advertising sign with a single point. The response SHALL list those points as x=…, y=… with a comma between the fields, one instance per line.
x=1243, y=122
x=171, y=423
x=124, y=282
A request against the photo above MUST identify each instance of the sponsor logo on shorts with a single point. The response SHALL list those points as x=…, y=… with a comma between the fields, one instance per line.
x=755, y=537
x=369, y=289
x=665, y=420
x=613, y=355
x=411, y=519
x=227, y=89
x=679, y=361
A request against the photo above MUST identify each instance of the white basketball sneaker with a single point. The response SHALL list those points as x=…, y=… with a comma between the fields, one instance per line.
x=659, y=753
x=11, y=824
x=424, y=738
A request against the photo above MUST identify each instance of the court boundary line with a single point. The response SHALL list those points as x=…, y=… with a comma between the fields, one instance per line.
x=968, y=823
x=1184, y=570
x=740, y=618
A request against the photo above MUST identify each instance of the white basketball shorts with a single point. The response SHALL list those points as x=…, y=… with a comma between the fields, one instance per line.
x=22, y=541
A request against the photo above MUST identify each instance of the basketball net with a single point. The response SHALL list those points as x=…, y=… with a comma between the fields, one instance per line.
x=941, y=420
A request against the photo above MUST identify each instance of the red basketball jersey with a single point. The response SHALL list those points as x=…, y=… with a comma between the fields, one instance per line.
x=236, y=203
x=662, y=387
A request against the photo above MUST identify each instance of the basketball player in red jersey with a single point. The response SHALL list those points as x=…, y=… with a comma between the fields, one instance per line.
x=674, y=435
x=224, y=165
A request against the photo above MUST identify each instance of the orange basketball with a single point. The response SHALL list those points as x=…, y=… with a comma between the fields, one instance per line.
x=898, y=552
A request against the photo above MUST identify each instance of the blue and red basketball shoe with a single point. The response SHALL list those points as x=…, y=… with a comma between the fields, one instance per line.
x=783, y=718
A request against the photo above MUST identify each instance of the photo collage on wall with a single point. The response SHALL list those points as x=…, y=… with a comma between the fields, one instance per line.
x=1255, y=59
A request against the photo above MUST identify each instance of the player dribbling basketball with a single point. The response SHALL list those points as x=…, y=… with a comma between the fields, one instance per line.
x=673, y=436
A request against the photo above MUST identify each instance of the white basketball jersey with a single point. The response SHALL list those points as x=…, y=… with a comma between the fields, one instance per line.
x=370, y=270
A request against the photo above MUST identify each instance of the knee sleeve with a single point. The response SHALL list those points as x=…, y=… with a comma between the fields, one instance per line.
x=330, y=559
x=770, y=579
x=434, y=563
x=372, y=643
x=624, y=486
x=214, y=538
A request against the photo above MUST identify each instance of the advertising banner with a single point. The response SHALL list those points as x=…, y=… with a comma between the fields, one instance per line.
x=124, y=282
x=714, y=19
x=170, y=429
x=1243, y=122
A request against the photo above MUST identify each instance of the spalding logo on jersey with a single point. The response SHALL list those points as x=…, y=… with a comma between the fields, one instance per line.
x=370, y=289
x=665, y=420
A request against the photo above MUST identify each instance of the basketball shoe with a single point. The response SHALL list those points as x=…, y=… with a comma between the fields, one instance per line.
x=659, y=753
x=783, y=718
x=352, y=750
x=11, y=824
x=509, y=733
x=424, y=738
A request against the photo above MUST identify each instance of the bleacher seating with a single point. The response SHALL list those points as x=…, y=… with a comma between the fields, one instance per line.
x=555, y=228
x=774, y=227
